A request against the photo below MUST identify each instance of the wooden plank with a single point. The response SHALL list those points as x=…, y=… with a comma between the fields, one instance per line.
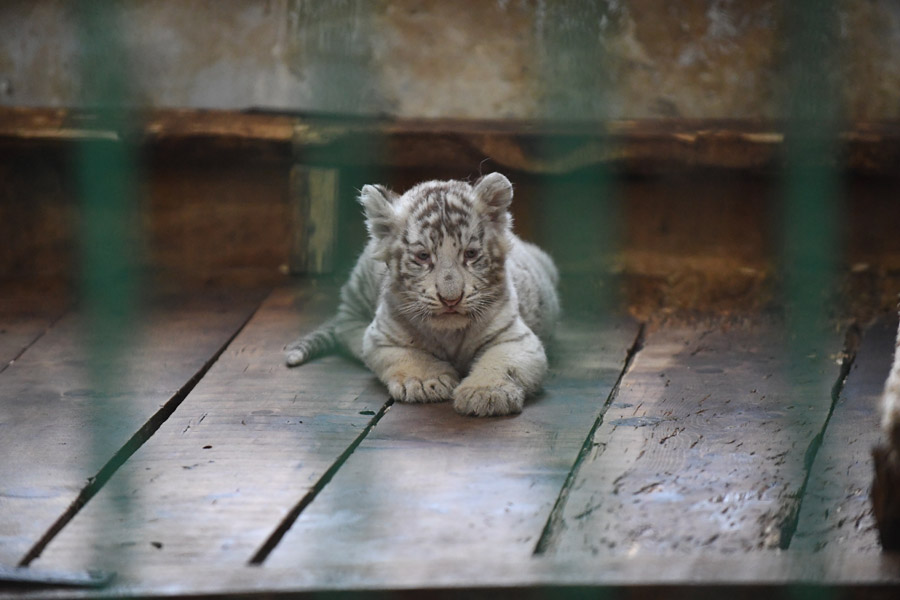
x=51, y=437
x=542, y=147
x=837, y=510
x=428, y=485
x=254, y=136
x=314, y=196
x=703, y=450
x=26, y=312
x=635, y=145
x=250, y=440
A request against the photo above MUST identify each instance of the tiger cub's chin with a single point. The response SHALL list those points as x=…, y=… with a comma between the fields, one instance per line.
x=450, y=321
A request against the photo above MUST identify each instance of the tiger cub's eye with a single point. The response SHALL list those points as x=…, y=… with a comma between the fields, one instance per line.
x=471, y=254
x=422, y=256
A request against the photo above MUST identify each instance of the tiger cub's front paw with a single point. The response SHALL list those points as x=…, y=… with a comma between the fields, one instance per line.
x=427, y=389
x=504, y=398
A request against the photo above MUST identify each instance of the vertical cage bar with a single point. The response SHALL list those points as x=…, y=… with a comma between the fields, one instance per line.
x=812, y=183
x=108, y=233
x=331, y=46
x=811, y=246
x=579, y=211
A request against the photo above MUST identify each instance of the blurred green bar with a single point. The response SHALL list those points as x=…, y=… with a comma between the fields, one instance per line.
x=109, y=229
x=332, y=46
x=812, y=192
x=812, y=184
x=580, y=211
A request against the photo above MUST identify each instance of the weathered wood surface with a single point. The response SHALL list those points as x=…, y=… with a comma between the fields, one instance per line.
x=751, y=576
x=26, y=312
x=431, y=503
x=53, y=435
x=428, y=485
x=252, y=135
x=837, y=509
x=249, y=442
x=533, y=146
x=703, y=449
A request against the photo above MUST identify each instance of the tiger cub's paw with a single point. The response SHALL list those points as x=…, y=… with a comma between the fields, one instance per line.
x=428, y=389
x=504, y=398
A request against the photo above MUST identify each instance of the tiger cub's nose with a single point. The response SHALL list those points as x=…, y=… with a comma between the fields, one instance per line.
x=451, y=302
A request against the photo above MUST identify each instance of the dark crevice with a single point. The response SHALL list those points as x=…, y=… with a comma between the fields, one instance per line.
x=792, y=520
x=96, y=483
x=27, y=346
x=276, y=536
x=555, y=520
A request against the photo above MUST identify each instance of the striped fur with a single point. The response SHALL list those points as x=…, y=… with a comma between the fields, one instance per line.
x=886, y=485
x=445, y=302
x=891, y=399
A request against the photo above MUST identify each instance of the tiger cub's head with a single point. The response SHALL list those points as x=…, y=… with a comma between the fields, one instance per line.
x=445, y=244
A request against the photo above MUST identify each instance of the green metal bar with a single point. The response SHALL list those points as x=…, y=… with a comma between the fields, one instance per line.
x=109, y=232
x=811, y=209
x=331, y=45
x=580, y=212
x=812, y=184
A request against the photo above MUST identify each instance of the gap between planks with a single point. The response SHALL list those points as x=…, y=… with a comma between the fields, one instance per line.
x=7, y=363
x=145, y=432
x=555, y=520
x=837, y=507
x=46, y=320
x=852, y=340
x=661, y=499
x=307, y=499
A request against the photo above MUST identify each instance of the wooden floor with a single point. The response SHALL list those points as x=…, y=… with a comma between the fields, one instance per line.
x=673, y=462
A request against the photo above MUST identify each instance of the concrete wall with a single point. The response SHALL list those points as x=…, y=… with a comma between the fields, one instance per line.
x=441, y=58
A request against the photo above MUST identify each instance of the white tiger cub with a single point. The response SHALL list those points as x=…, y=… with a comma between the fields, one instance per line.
x=445, y=302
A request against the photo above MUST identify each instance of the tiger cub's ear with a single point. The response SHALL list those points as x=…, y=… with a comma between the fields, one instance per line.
x=381, y=218
x=494, y=194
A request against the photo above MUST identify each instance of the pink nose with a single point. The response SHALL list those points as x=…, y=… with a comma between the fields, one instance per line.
x=451, y=302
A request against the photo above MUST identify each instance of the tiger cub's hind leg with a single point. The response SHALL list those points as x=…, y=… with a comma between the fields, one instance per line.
x=314, y=344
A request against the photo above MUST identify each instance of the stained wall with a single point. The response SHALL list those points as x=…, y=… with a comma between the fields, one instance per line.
x=433, y=58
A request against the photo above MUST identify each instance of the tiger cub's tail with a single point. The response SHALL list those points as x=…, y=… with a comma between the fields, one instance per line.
x=317, y=343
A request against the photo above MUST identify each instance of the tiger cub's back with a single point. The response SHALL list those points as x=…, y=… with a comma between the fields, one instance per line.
x=535, y=277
